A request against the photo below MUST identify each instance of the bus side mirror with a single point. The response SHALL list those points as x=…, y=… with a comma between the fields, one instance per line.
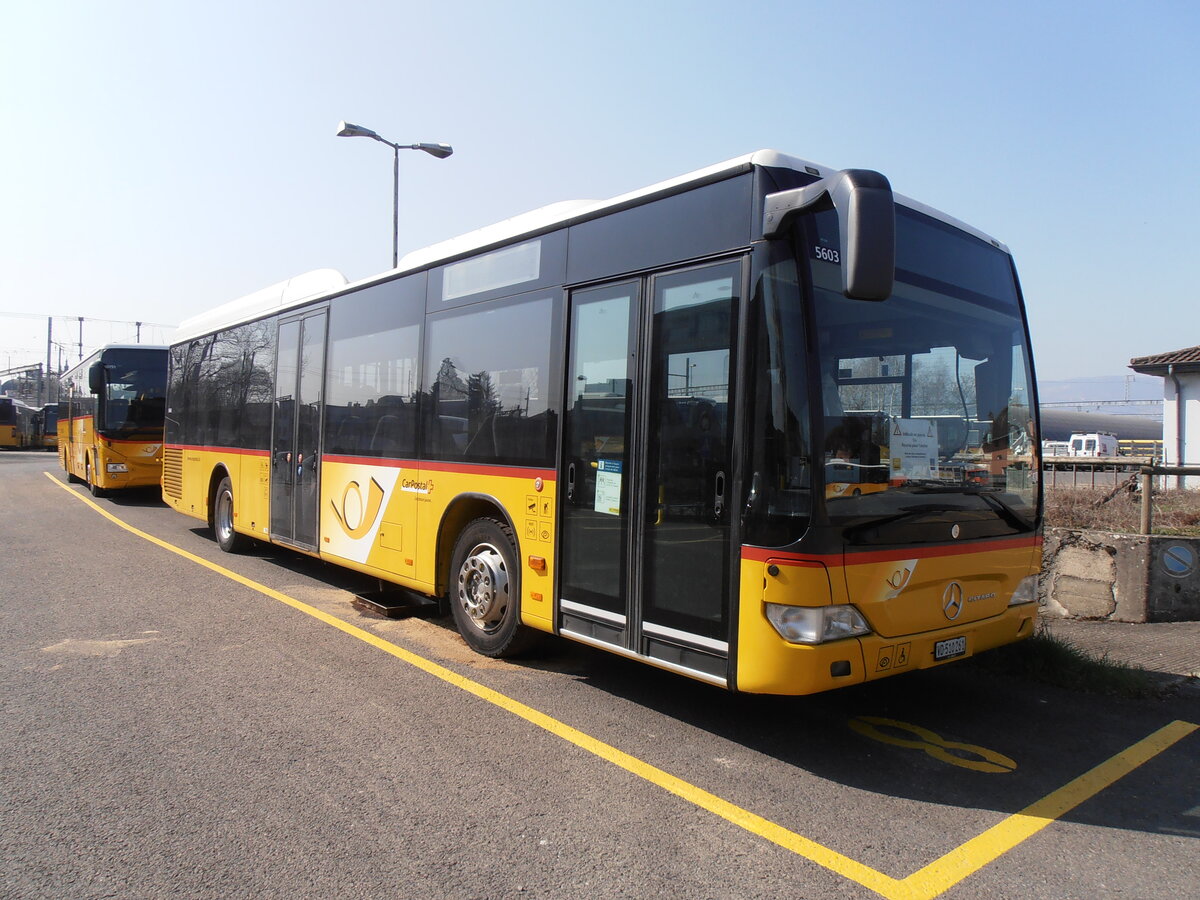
x=96, y=378
x=866, y=221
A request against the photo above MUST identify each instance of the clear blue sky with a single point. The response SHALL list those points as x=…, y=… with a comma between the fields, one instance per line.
x=160, y=158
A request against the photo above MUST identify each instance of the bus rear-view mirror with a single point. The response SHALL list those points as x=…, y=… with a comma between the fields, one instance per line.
x=866, y=214
x=96, y=378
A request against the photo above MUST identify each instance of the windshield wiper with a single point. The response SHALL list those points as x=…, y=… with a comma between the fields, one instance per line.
x=907, y=512
x=987, y=494
x=1006, y=511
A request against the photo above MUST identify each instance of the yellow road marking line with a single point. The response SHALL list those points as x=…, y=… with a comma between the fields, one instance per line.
x=956, y=865
x=930, y=881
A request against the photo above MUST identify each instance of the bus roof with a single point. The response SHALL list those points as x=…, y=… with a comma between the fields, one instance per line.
x=106, y=347
x=309, y=285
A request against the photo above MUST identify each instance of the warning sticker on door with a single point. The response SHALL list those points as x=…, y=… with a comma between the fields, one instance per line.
x=914, y=448
x=608, y=487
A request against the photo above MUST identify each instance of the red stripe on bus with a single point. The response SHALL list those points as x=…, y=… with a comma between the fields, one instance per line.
x=236, y=451
x=371, y=461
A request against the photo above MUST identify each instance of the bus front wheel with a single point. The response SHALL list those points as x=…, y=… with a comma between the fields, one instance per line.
x=485, y=590
x=96, y=490
x=227, y=539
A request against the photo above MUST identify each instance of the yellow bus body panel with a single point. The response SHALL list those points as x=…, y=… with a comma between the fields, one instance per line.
x=249, y=473
x=393, y=520
x=396, y=520
x=769, y=664
x=79, y=445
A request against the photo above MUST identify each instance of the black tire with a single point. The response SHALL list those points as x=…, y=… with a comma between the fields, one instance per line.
x=91, y=484
x=485, y=590
x=222, y=522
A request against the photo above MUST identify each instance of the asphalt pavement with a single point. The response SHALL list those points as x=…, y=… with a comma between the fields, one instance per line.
x=1168, y=648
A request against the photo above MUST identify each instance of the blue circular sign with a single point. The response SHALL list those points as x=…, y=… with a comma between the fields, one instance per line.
x=1179, y=561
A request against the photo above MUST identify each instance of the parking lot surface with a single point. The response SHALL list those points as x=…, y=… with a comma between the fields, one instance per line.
x=183, y=722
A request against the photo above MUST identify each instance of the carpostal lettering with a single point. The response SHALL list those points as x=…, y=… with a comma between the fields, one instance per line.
x=417, y=487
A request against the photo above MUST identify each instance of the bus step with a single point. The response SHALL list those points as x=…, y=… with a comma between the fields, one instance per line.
x=397, y=604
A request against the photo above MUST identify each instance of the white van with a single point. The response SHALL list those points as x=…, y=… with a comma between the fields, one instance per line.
x=1097, y=443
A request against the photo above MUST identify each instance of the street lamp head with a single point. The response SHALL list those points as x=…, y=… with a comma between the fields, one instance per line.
x=441, y=151
x=345, y=129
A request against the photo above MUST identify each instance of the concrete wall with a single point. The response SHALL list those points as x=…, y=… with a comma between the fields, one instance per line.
x=1120, y=577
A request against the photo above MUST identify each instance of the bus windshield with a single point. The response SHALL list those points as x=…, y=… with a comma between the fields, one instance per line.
x=135, y=391
x=928, y=425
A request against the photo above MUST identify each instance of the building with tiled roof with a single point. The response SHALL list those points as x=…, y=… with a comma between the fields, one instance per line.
x=1157, y=364
x=1180, y=372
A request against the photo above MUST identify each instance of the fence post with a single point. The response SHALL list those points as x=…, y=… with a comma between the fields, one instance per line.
x=1147, y=494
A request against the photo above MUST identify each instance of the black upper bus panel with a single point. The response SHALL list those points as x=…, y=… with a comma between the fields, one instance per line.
x=689, y=225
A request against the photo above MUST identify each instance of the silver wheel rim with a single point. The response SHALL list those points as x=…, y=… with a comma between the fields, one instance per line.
x=224, y=516
x=483, y=587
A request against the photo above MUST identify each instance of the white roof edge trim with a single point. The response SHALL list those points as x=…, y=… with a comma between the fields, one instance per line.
x=275, y=298
x=300, y=288
x=546, y=217
x=131, y=347
x=951, y=221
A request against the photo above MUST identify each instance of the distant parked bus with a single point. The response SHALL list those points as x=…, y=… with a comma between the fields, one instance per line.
x=16, y=424
x=47, y=436
x=110, y=427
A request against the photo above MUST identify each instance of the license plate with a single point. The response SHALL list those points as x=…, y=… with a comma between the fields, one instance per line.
x=950, y=648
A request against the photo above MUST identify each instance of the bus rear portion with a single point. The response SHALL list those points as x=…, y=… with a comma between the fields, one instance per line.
x=17, y=424
x=894, y=514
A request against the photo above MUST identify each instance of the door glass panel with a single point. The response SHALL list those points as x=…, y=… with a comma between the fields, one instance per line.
x=596, y=477
x=296, y=430
x=308, y=429
x=283, y=472
x=688, y=489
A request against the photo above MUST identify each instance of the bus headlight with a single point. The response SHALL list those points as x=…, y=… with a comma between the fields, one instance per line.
x=1026, y=592
x=816, y=624
x=115, y=468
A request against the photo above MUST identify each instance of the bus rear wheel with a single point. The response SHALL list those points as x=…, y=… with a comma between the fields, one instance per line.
x=227, y=539
x=485, y=590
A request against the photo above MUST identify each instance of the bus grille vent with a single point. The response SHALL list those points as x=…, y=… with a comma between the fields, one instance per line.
x=173, y=472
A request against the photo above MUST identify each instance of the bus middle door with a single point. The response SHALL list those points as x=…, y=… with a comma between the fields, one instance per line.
x=296, y=430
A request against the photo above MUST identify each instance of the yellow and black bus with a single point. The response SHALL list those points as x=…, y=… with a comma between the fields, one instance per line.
x=720, y=425
x=48, y=427
x=110, y=420
x=18, y=424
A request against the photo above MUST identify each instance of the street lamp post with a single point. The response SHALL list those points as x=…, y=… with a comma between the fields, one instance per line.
x=441, y=151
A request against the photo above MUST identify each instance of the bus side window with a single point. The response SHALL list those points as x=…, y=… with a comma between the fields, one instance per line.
x=489, y=397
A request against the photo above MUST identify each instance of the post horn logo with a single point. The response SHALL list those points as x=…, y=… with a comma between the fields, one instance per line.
x=952, y=600
x=900, y=578
x=355, y=517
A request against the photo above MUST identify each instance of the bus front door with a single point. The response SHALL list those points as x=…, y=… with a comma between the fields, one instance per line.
x=646, y=532
x=296, y=430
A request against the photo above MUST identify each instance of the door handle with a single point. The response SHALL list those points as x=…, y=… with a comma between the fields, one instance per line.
x=571, y=481
x=719, y=495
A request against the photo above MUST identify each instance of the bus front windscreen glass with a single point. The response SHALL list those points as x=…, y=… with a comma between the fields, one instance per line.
x=135, y=391
x=928, y=426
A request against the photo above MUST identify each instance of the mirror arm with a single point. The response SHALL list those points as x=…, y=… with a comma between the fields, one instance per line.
x=866, y=223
